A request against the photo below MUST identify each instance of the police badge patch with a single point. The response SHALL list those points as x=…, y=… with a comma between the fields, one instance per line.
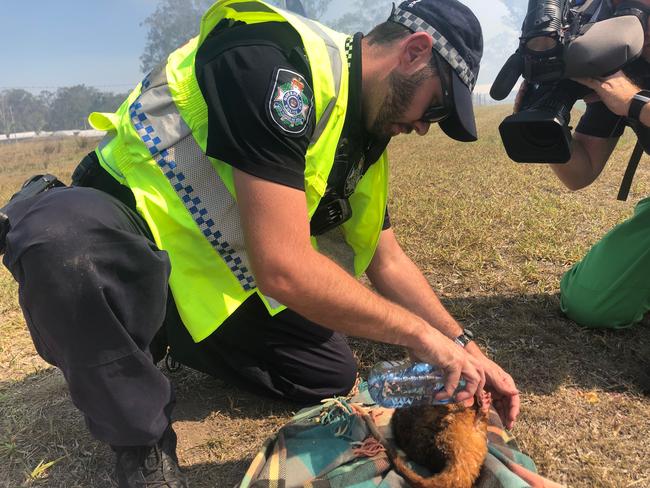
x=290, y=102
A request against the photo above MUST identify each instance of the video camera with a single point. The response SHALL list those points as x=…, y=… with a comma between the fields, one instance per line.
x=560, y=40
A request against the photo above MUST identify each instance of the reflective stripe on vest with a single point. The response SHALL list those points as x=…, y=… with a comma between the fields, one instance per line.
x=189, y=171
x=156, y=146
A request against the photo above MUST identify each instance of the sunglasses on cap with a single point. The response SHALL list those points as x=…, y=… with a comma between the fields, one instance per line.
x=440, y=111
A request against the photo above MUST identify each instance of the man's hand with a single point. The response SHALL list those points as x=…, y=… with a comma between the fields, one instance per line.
x=480, y=373
x=455, y=362
x=505, y=396
x=615, y=91
x=396, y=277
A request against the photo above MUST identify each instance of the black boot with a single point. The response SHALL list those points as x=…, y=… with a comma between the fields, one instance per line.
x=150, y=466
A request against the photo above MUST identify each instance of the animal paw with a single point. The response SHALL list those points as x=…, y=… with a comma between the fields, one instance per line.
x=485, y=401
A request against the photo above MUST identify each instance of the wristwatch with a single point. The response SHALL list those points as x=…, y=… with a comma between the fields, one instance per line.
x=465, y=338
x=636, y=105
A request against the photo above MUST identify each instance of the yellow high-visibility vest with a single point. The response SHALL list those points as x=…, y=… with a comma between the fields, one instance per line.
x=156, y=146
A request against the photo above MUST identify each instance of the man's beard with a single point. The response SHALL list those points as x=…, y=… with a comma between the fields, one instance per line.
x=401, y=92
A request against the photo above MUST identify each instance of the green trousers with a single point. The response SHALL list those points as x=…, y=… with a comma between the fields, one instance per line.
x=610, y=287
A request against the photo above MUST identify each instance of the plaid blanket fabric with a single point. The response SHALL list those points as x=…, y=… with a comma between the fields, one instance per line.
x=330, y=446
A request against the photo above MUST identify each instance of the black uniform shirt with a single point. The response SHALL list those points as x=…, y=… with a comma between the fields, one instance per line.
x=241, y=73
x=257, y=84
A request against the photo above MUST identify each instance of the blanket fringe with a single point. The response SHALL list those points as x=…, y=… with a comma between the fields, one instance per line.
x=370, y=447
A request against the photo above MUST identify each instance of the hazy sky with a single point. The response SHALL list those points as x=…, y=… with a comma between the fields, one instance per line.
x=47, y=44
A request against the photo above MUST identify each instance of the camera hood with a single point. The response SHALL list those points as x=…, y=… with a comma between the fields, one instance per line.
x=604, y=48
x=536, y=136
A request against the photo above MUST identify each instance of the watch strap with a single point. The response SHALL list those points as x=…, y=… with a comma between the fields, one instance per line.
x=639, y=100
x=465, y=338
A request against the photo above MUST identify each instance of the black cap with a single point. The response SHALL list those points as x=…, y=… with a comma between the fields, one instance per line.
x=457, y=37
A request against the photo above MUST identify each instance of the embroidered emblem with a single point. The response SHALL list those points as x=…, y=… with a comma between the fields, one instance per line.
x=290, y=102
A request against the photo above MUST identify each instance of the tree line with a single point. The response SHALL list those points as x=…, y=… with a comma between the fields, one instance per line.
x=170, y=25
x=65, y=108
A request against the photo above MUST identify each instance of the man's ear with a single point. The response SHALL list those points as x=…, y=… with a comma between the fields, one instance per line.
x=415, y=52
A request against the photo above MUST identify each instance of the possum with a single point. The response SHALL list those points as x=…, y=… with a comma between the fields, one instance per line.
x=449, y=440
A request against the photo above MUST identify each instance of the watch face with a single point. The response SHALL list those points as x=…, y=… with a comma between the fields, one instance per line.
x=465, y=338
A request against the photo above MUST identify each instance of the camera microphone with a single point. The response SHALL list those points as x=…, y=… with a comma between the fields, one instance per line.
x=507, y=77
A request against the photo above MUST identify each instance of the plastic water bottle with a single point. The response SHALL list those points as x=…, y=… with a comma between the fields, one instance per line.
x=396, y=384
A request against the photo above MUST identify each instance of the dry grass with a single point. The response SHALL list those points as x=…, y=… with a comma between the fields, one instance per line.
x=493, y=237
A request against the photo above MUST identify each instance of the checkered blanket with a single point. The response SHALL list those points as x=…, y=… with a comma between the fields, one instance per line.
x=330, y=446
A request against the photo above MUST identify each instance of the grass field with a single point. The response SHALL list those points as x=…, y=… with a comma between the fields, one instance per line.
x=493, y=238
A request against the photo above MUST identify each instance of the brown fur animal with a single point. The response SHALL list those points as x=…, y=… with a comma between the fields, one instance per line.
x=449, y=440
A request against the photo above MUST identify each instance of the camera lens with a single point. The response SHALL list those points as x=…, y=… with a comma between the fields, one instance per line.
x=536, y=136
x=541, y=44
x=541, y=135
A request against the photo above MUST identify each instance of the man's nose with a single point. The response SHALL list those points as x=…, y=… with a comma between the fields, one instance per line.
x=421, y=127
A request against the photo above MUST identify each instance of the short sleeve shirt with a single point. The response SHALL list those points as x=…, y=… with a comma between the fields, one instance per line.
x=252, y=124
x=257, y=84
x=599, y=121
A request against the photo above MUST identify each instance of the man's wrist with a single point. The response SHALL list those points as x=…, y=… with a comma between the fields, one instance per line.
x=464, y=338
x=418, y=334
x=473, y=349
x=639, y=104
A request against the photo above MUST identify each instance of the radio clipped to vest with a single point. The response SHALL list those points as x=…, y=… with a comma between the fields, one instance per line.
x=329, y=215
x=350, y=164
x=33, y=186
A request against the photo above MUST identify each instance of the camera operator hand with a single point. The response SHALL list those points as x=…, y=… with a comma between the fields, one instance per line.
x=616, y=92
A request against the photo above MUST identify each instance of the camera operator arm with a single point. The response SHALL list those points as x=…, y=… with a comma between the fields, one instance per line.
x=623, y=99
x=589, y=155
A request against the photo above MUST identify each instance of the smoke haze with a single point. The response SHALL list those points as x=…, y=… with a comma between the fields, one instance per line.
x=501, y=22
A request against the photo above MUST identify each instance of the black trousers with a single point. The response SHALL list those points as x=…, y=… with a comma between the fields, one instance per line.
x=93, y=287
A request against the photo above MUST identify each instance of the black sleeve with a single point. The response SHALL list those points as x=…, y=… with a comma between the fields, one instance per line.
x=599, y=121
x=260, y=111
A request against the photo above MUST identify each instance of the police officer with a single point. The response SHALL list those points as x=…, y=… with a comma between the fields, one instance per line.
x=609, y=286
x=240, y=190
